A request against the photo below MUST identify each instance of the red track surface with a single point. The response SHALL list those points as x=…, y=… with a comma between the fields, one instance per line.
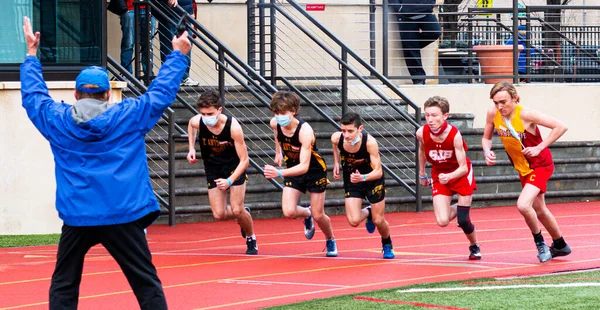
x=203, y=266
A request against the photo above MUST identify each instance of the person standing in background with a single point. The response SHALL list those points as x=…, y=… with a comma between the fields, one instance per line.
x=418, y=28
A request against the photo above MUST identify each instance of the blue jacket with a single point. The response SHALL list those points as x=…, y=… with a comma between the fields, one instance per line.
x=522, y=62
x=100, y=165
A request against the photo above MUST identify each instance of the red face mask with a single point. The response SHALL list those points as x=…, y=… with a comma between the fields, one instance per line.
x=440, y=130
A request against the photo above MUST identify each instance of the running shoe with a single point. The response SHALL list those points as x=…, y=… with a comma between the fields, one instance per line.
x=388, y=251
x=252, y=247
x=309, y=226
x=331, y=248
x=560, y=252
x=543, y=252
x=242, y=229
x=475, y=252
x=369, y=222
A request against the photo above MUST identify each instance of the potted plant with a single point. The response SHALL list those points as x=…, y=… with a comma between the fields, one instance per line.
x=495, y=60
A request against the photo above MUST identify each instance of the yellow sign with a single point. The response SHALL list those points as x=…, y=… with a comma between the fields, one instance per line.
x=484, y=4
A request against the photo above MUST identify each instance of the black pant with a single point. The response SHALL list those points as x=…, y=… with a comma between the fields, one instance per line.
x=415, y=34
x=128, y=246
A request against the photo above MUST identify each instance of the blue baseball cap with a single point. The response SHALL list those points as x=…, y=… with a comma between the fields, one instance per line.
x=92, y=79
x=522, y=27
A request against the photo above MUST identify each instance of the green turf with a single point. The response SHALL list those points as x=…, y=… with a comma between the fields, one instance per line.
x=517, y=298
x=8, y=241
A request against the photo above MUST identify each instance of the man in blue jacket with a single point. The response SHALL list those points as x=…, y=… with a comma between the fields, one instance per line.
x=103, y=190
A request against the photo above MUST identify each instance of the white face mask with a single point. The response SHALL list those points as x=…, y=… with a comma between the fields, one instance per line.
x=210, y=121
x=353, y=143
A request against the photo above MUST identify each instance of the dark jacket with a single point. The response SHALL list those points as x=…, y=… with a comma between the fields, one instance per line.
x=187, y=5
x=412, y=7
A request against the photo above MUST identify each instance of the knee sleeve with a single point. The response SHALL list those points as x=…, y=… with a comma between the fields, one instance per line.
x=464, y=220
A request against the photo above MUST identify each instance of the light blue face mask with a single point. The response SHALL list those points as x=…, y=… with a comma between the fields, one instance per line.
x=353, y=143
x=283, y=120
x=210, y=120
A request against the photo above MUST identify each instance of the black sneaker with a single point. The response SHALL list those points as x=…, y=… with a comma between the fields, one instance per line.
x=242, y=229
x=252, y=247
x=560, y=252
x=309, y=226
x=475, y=252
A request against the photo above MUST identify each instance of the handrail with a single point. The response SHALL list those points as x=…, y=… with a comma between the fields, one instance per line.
x=220, y=47
x=366, y=65
x=345, y=64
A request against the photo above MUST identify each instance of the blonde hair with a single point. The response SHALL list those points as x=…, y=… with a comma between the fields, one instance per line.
x=504, y=86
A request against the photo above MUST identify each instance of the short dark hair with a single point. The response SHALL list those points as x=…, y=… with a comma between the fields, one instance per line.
x=440, y=102
x=209, y=99
x=99, y=95
x=351, y=118
x=285, y=100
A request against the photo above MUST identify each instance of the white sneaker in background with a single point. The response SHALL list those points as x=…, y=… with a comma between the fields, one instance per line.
x=189, y=82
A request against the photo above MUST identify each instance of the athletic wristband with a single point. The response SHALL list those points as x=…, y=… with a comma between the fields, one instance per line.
x=423, y=177
x=279, y=175
x=364, y=177
x=229, y=181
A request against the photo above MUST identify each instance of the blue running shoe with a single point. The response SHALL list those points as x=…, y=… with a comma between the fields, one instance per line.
x=309, y=226
x=243, y=232
x=388, y=251
x=331, y=248
x=369, y=222
x=543, y=252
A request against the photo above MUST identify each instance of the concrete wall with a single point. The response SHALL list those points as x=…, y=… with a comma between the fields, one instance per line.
x=27, y=185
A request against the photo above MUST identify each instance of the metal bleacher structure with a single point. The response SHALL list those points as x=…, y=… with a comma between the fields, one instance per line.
x=290, y=49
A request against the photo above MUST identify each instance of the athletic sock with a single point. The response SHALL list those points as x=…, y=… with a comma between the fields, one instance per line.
x=559, y=243
x=387, y=240
x=253, y=237
x=538, y=237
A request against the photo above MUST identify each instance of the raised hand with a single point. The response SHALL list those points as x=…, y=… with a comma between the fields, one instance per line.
x=33, y=40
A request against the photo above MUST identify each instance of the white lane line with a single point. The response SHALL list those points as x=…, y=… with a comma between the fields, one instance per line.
x=254, y=282
x=497, y=287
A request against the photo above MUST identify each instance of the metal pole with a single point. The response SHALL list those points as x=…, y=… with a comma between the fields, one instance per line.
x=171, y=131
x=136, y=36
x=344, y=81
x=261, y=37
x=470, y=51
x=251, y=30
x=418, y=192
x=221, y=76
x=386, y=37
x=273, y=44
x=515, y=8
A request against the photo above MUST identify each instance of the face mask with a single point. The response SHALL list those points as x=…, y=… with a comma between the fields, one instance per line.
x=210, y=120
x=283, y=120
x=353, y=143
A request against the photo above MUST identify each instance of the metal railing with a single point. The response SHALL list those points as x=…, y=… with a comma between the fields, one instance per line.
x=303, y=55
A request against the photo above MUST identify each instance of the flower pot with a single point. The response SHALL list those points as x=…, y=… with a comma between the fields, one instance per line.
x=495, y=60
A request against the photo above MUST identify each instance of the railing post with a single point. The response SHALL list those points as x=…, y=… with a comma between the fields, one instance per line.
x=136, y=38
x=171, y=132
x=221, y=75
x=528, y=44
x=372, y=48
x=261, y=37
x=251, y=31
x=148, y=51
x=515, y=29
x=344, y=81
x=273, y=45
x=386, y=37
x=418, y=191
x=470, y=51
